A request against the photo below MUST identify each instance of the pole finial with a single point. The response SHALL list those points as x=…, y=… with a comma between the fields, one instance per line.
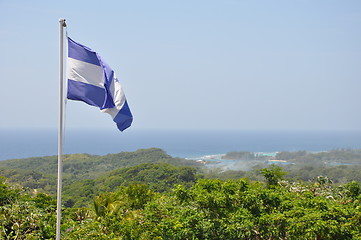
x=62, y=21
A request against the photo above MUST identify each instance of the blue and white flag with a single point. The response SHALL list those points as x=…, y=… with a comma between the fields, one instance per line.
x=92, y=81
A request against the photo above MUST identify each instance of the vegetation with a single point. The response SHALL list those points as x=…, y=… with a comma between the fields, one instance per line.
x=149, y=195
x=159, y=177
x=210, y=209
x=41, y=172
x=24, y=215
x=244, y=156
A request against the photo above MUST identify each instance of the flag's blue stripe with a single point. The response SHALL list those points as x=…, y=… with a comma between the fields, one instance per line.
x=124, y=117
x=81, y=52
x=88, y=93
x=109, y=78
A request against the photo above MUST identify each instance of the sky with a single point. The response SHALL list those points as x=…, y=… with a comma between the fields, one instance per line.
x=190, y=64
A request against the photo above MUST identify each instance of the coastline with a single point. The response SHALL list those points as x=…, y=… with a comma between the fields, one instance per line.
x=18, y=143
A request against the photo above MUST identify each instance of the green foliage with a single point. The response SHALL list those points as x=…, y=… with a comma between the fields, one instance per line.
x=353, y=189
x=210, y=209
x=156, y=200
x=79, y=193
x=215, y=209
x=7, y=194
x=272, y=175
x=89, y=166
x=25, y=216
x=85, y=176
x=159, y=177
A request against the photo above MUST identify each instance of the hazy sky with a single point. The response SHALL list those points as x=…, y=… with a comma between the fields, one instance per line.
x=191, y=64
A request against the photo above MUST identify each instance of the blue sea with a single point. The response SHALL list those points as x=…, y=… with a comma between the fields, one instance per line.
x=23, y=143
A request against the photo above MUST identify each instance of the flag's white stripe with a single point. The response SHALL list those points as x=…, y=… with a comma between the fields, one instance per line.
x=118, y=97
x=85, y=72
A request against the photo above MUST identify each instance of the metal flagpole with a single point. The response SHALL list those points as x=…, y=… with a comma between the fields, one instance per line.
x=60, y=129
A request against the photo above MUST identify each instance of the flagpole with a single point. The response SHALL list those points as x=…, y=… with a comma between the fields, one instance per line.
x=62, y=24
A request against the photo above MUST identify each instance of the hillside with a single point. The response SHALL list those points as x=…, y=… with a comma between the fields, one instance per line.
x=159, y=177
x=86, y=165
x=41, y=172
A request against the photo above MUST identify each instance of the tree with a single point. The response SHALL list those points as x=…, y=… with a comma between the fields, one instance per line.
x=273, y=175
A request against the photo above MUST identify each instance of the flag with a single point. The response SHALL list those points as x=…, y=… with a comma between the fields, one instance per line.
x=92, y=81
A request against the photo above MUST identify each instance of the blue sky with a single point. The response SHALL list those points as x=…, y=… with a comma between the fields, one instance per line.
x=232, y=64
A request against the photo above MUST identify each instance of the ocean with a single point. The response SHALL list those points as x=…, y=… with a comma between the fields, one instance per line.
x=23, y=143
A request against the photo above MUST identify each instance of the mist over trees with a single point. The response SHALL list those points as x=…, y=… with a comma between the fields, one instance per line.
x=342, y=166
